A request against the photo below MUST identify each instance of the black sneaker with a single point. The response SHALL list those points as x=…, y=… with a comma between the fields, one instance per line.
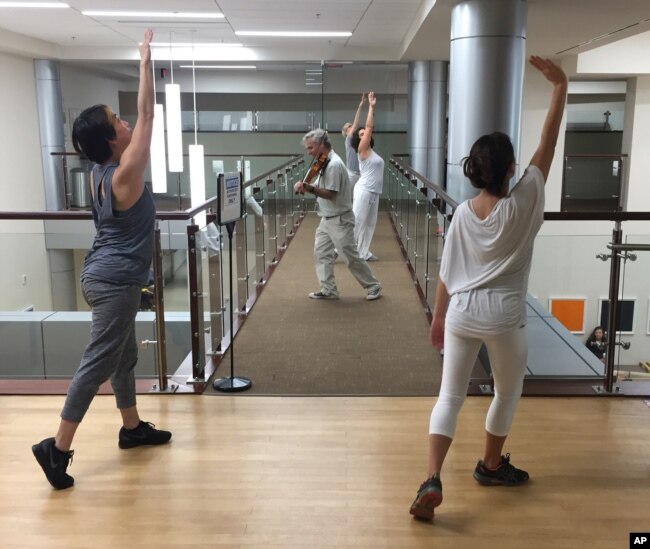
x=505, y=474
x=144, y=434
x=428, y=498
x=54, y=463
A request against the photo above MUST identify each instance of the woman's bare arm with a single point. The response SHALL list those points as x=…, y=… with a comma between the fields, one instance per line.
x=128, y=181
x=543, y=156
x=364, y=145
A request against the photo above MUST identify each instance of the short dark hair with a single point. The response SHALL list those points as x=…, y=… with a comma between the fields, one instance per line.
x=91, y=133
x=489, y=161
x=355, y=140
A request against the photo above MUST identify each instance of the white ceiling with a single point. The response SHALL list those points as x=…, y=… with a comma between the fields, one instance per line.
x=383, y=30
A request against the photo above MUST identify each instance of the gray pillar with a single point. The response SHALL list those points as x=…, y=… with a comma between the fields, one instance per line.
x=487, y=59
x=418, y=114
x=437, y=129
x=50, y=117
x=427, y=113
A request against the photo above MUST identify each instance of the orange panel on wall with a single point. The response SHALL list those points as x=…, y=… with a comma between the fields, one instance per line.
x=570, y=312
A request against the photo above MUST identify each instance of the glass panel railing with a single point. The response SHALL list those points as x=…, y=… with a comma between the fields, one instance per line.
x=565, y=302
x=187, y=294
x=413, y=204
x=592, y=183
x=633, y=341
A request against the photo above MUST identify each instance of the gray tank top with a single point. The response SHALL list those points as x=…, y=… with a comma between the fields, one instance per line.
x=351, y=156
x=123, y=246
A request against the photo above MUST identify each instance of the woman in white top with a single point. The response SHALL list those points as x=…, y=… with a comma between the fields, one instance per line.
x=365, y=203
x=480, y=297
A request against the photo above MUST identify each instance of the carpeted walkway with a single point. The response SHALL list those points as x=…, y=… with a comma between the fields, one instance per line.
x=293, y=345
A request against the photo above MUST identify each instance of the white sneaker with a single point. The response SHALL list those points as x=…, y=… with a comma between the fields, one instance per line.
x=322, y=295
x=374, y=293
x=372, y=257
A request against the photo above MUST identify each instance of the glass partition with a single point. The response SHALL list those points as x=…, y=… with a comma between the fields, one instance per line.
x=569, y=292
x=592, y=182
x=46, y=313
x=633, y=336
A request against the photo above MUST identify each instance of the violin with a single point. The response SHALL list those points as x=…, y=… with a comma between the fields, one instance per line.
x=319, y=165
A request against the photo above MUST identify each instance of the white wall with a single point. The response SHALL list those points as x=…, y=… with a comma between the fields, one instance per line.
x=592, y=113
x=348, y=79
x=639, y=162
x=81, y=89
x=21, y=243
x=24, y=277
x=564, y=261
x=536, y=97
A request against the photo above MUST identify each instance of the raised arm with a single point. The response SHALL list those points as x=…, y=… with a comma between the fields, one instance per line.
x=357, y=115
x=128, y=181
x=364, y=144
x=543, y=156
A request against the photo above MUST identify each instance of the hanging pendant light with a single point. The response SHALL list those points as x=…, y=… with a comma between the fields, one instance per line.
x=157, y=149
x=174, y=126
x=197, y=159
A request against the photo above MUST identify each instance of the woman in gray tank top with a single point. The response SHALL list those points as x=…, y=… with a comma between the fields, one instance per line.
x=115, y=269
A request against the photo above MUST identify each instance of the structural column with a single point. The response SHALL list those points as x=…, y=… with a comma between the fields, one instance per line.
x=427, y=113
x=486, y=74
x=50, y=116
x=418, y=115
x=437, y=129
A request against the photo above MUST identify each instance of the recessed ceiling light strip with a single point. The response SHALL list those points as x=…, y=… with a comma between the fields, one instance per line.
x=296, y=34
x=46, y=5
x=154, y=14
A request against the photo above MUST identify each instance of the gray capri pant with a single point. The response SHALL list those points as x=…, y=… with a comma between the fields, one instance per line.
x=112, y=351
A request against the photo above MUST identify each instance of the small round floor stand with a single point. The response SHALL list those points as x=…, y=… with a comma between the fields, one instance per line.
x=231, y=384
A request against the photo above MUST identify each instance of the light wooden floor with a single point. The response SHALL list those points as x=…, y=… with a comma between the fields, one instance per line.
x=299, y=473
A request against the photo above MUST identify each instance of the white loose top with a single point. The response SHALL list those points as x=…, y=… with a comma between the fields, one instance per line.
x=372, y=173
x=486, y=262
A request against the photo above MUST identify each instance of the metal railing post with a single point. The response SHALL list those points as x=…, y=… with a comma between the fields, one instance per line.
x=161, y=347
x=196, y=309
x=614, y=279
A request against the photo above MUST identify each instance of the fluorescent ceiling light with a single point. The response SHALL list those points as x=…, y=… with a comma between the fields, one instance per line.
x=219, y=66
x=155, y=14
x=157, y=151
x=174, y=127
x=197, y=181
x=195, y=45
x=292, y=34
x=33, y=5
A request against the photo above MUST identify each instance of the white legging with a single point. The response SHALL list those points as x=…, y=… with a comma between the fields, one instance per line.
x=508, y=353
x=365, y=207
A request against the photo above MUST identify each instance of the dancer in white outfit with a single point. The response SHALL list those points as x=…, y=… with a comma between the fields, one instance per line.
x=367, y=191
x=481, y=294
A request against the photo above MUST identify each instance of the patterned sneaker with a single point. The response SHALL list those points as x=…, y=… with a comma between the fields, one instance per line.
x=374, y=293
x=428, y=498
x=322, y=295
x=54, y=463
x=144, y=434
x=505, y=474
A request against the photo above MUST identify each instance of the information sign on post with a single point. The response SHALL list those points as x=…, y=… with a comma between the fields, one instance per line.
x=230, y=209
x=229, y=198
